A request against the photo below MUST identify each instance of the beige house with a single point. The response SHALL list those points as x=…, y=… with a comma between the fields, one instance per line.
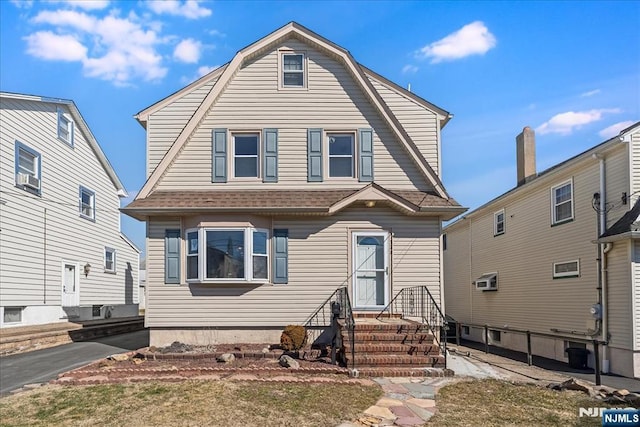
x=62, y=255
x=530, y=258
x=283, y=175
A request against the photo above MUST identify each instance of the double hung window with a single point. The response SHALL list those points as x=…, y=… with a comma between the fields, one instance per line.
x=87, y=203
x=292, y=70
x=562, y=202
x=245, y=155
x=341, y=155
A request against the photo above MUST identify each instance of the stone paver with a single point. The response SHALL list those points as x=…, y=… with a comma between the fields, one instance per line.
x=422, y=403
x=409, y=421
x=394, y=388
x=387, y=402
x=380, y=412
x=421, y=412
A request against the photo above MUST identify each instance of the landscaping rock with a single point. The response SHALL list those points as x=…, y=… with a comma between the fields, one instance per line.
x=577, y=385
x=288, y=362
x=226, y=358
x=621, y=393
x=633, y=399
x=118, y=357
x=265, y=350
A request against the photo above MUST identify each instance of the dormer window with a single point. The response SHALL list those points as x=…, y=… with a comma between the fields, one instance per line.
x=293, y=70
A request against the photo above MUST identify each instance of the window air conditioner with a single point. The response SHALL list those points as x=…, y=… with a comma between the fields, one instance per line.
x=28, y=180
x=488, y=282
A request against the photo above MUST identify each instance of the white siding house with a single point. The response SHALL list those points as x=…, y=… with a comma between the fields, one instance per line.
x=530, y=258
x=282, y=176
x=62, y=255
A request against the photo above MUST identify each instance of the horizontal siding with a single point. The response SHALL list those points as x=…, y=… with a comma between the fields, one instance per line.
x=457, y=274
x=617, y=182
x=620, y=295
x=636, y=293
x=164, y=126
x=420, y=123
x=39, y=233
x=252, y=101
x=319, y=262
x=635, y=164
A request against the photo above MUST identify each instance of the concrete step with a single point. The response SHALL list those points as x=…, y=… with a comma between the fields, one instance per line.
x=372, y=347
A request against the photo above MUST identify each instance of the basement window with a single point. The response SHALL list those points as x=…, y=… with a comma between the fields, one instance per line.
x=12, y=315
x=495, y=336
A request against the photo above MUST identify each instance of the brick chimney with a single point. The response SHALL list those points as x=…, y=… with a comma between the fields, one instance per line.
x=526, y=155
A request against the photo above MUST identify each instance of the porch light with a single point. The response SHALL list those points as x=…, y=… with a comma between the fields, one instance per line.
x=87, y=269
x=370, y=203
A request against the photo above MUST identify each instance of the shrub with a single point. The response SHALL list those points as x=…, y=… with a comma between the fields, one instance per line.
x=293, y=338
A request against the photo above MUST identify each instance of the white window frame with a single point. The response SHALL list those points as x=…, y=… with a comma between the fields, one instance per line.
x=67, y=124
x=195, y=254
x=21, y=150
x=575, y=273
x=113, y=260
x=248, y=255
x=282, y=73
x=554, y=205
x=485, y=281
x=353, y=156
x=92, y=206
x=258, y=156
x=497, y=222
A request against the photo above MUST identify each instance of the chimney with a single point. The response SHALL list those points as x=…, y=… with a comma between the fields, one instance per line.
x=526, y=155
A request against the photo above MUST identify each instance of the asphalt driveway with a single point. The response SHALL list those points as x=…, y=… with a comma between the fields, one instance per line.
x=44, y=365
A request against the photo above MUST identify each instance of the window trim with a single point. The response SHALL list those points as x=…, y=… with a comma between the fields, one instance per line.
x=496, y=232
x=70, y=128
x=113, y=260
x=19, y=146
x=354, y=155
x=232, y=153
x=196, y=254
x=490, y=279
x=80, y=205
x=554, y=220
x=281, y=71
x=248, y=255
x=568, y=274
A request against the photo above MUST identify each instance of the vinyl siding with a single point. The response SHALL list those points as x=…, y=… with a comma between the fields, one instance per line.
x=636, y=294
x=620, y=295
x=165, y=125
x=458, y=286
x=252, y=101
x=635, y=165
x=617, y=182
x=32, y=252
x=420, y=123
x=319, y=262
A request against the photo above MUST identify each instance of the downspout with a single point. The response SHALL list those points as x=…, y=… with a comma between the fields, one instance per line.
x=602, y=270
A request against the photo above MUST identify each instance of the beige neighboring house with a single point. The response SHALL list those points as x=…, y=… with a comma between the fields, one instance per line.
x=62, y=255
x=558, y=254
x=283, y=175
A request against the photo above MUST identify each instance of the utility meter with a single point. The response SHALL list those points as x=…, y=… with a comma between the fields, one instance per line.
x=596, y=311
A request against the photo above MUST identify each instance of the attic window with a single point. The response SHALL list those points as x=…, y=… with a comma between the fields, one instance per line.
x=293, y=70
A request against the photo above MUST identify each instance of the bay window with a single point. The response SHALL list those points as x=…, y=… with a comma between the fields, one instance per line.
x=227, y=254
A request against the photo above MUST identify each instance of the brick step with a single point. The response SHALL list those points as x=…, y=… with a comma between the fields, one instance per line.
x=370, y=360
x=404, y=372
x=374, y=315
x=410, y=328
x=372, y=347
x=388, y=337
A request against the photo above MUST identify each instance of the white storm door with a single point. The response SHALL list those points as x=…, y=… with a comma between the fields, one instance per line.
x=371, y=269
x=70, y=279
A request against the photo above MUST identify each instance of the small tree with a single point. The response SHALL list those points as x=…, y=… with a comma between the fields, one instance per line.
x=293, y=338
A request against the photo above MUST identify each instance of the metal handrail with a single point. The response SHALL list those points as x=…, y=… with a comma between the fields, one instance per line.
x=323, y=318
x=417, y=301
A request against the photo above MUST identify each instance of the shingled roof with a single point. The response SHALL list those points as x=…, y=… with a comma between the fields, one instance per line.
x=626, y=225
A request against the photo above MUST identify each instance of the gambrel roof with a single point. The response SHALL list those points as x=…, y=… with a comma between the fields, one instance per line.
x=360, y=75
x=79, y=121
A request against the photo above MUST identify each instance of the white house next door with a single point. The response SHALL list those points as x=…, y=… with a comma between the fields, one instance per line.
x=371, y=269
x=70, y=278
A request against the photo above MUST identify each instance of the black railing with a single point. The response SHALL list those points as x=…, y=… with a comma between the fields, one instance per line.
x=325, y=325
x=418, y=303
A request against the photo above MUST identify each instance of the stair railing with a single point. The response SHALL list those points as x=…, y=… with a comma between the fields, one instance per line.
x=417, y=302
x=334, y=310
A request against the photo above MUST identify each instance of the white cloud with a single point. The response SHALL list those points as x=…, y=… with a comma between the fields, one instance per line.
x=409, y=69
x=188, y=51
x=121, y=49
x=50, y=46
x=85, y=4
x=613, y=130
x=22, y=4
x=590, y=93
x=189, y=9
x=472, y=39
x=566, y=123
x=205, y=69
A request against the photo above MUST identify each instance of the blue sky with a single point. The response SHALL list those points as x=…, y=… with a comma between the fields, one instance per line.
x=570, y=70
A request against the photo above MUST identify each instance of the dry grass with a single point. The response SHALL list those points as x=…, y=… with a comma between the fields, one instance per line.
x=189, y=403
x=491, y=403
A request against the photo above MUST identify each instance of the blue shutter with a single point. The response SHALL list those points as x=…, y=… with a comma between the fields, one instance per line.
x=314, y=155
x=172, y=256
x=280, y=256
x=365, y=149
x=270, y=154
x=219, y=155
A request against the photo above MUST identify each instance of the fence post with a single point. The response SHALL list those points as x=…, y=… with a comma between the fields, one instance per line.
x=486, y=339
x=596, y=355
x=458, y=328
x=529, y=356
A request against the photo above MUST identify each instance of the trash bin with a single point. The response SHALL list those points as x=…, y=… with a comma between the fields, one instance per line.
x=577, y=357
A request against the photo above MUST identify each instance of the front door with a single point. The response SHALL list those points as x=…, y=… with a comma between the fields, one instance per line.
x=69, y=285
x=371, y=269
